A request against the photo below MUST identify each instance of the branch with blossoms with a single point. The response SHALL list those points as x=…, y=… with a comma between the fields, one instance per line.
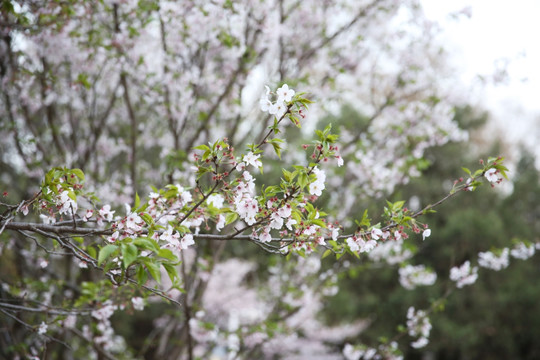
x=150, y=239
x=153, y=234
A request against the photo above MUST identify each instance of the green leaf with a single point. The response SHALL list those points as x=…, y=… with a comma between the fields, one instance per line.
x=326, y=253
x=230, y=218
x=288, y=176
x=171, y=271
x=78, y=239
x=147, y=218
x=303, y=180
x=91, y=251
x=297, y=216
x=167, y=254
x=72, y=195
x=153, y=269
x=82, y=78
x=78, y=172
x=105, y=252
x=137, y=201
x=319, y=222
x=327, y=129
x=365, y=220
x=398, y=205
x=141, y=275
x=202, y=147
x=129, y=254
x=146, y=244
x=277, y=149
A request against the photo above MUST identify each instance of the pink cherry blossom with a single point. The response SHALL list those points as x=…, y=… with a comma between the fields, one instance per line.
x=106, y=213
x=252, y=159
x=187, y=241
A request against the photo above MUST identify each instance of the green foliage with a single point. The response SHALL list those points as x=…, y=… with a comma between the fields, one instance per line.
x=493, y=319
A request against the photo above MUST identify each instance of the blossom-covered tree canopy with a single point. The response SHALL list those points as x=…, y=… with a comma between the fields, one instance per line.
x=140, y=143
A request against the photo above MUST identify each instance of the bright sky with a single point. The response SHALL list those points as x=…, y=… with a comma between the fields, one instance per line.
x=498, y=32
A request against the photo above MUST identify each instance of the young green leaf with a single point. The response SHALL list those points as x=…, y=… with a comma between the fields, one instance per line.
x=105, y=252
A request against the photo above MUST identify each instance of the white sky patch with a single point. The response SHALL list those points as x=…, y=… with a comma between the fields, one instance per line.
x=499, y=40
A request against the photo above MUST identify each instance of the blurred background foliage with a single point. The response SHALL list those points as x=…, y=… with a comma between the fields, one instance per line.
x=497, y=317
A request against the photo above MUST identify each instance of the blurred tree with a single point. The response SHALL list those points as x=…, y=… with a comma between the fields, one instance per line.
x=494, y=319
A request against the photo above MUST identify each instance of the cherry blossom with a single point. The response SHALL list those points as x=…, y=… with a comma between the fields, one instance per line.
x=220, y=223
x=367, y=246
x=187, y=241
x=252, y=159
x=47, y=219
x=138, y=303
x=277, y=221
x=216, y=200
x=265, y=235
x=357, y=244
x=290, y=223
x=334, y=231
x=317, y=186
x=170, y=235
x=522, y=251
x=113, y=237
x=464, y=274
x=285, y=94
x=134, y=222
x=278, y=108
x=66, y=205
x=489, y=260
x=42, y=328
x=265, y=104
x=418, y=325
x=104, y=312
x=353, y=245
x=247, y=209
x=339, y=159
x=285, y=211
x=491, y=175
x=88, y=215
x=412, y=276
x=106, y=213
x=376, y=233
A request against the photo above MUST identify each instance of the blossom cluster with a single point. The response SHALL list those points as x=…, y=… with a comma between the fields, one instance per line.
x=384, y=351
x=412, y=276
x=464, y=275
x=279, y=107
x=418, y=325
x=391, y=243
x=490, y=260
x=522, y=251
x=317, y=186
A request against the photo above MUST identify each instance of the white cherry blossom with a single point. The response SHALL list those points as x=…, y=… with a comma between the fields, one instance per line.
x=284, y=93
